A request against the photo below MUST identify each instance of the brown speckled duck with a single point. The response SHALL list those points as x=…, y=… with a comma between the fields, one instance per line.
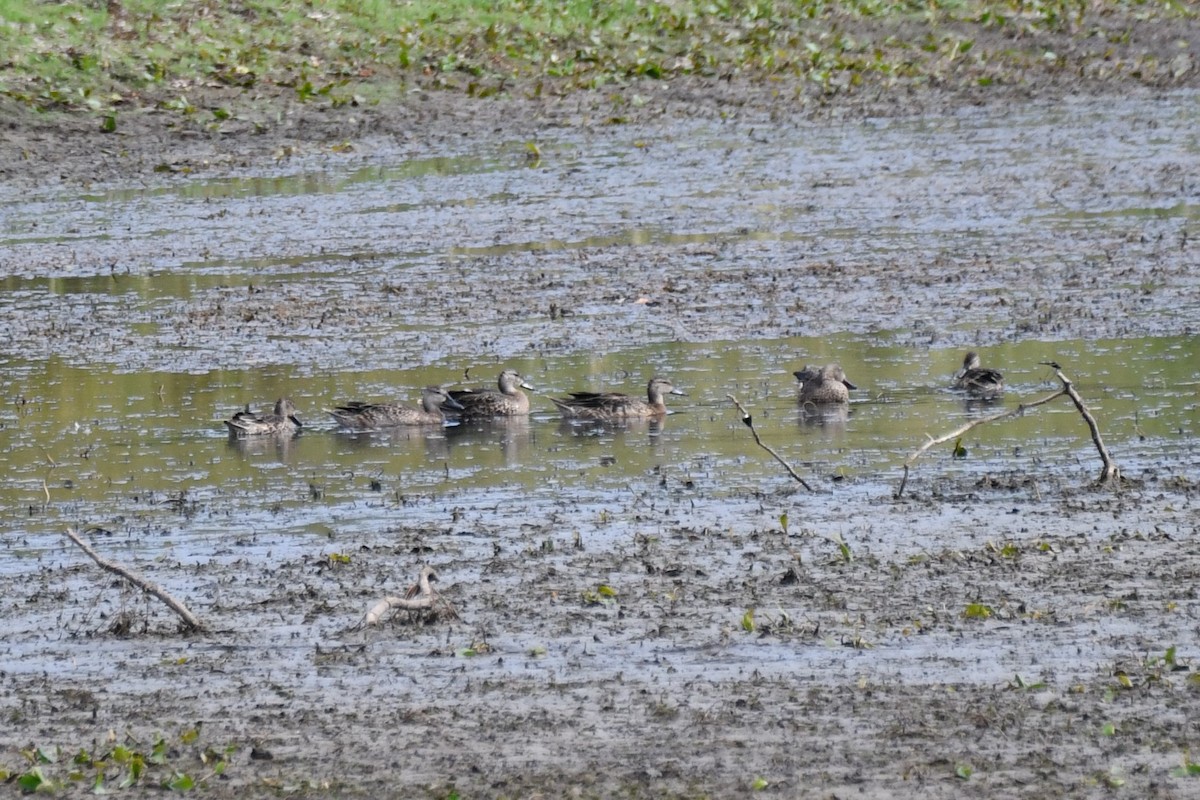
x=509, y=401
x=822, y=385
x=282, y=421
x=615, y=406
x=374, y=416
x=978, y=381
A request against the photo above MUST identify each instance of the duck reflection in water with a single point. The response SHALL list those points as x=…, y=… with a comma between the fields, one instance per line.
x=514, y=435
x=281, y=445
x=588, y=427
x=824, y=416
x=433, y=439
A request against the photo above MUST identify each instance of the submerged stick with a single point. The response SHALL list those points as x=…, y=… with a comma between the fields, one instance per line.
x=189, y=619
x=749, y=423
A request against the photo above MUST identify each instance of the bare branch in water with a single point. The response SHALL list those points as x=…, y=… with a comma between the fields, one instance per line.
x=748, y=421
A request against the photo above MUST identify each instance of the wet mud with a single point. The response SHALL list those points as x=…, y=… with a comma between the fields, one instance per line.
x=666, y=632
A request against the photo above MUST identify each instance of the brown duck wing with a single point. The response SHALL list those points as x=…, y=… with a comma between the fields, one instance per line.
x=354, y=407
x=597, y=399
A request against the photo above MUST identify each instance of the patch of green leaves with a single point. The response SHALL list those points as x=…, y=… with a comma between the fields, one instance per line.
x=167, y=763
x=1112, y=779
x=978, y=611
x=1006, y=550
x=1020, y=683
x=603, y=594
x=845, y=555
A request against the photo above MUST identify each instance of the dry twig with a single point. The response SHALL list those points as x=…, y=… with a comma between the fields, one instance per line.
x=749, y=423
x=1110, y=472
x=189, y=619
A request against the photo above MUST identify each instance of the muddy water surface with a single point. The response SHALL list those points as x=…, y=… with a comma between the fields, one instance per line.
x=137, y=316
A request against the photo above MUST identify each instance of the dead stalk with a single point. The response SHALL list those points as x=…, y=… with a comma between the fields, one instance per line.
x=749, y=423
x=1110, y=472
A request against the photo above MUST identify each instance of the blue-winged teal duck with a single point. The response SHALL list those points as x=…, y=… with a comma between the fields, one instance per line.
x=282, y=420
x=615, y=406
x=826, y=384
x=509, y=401
x=978, y=381
x=373, y=416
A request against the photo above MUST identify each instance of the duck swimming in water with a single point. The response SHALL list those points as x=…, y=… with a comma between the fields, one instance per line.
x=823, y=385
x=977, y=381
x=509, y=401
x=375, y=416
x=617, y=406
x=282, y=420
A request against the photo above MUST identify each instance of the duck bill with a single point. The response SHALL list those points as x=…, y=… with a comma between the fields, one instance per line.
x=848, y=384
x=451, y=403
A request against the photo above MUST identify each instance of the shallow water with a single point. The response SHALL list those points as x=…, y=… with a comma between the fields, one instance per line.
x=98, y=439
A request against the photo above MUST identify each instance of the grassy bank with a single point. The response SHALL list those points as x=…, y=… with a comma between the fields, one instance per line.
x=95, y=56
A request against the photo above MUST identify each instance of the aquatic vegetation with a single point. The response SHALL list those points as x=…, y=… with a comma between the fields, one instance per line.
x=178, y=763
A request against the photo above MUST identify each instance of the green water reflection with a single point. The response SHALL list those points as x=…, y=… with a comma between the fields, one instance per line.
x=314, y=182
x=103, y=443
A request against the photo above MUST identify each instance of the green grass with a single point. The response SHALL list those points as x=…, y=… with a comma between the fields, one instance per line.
x=80, y=55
